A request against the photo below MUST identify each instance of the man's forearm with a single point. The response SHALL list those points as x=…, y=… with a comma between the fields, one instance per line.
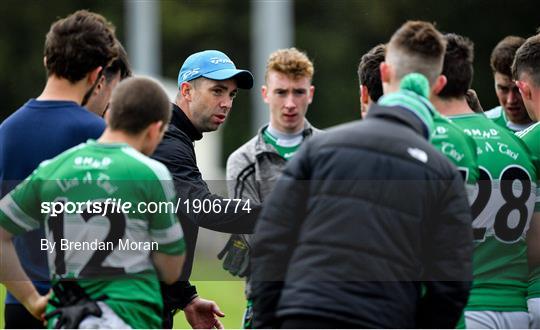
x=232, y=223
x=12, y=274
x=231, y=218
x=214, y=212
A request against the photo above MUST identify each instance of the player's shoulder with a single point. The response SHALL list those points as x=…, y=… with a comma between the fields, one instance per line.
x=246, y=153
x=144, y=166
x=18, y=118
x=494, y=113
x=50, y=165
x=249, y=148
x=90, y=120
x=531, y=131
x=475, y=121
x=531, y=137
x=444, y=125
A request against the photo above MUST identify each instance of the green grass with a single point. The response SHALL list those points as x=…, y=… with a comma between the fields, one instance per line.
x=229, y=296
x=212, y=283
x=2, y=299
x=215, y=284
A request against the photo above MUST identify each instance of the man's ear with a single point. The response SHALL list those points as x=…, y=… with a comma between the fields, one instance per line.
x=94, y=75
x=524, y=89
x=154, y=130
x=364, y=94
x=100, y=85
x=311, y=93
x=264, y=93
x=185, y=90
x=45, y=61
x=385, y=72
x=439, y=84
x=107, y=116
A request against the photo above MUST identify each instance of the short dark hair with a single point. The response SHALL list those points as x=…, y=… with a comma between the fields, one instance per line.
x=78, y=44
x=458, y=66
x=528, y=59
x=417, y=46
x=503, y=54
x=136, y=103
x=119, y=64
x=369, y=74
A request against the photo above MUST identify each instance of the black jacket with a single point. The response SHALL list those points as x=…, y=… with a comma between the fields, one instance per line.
x=362, y=218
x=177, y=152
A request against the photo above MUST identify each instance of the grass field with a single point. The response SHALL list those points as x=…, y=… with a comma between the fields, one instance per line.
x=228, y=292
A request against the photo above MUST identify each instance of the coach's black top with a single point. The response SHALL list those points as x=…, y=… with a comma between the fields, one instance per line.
x=177, y=152
x=362, y=218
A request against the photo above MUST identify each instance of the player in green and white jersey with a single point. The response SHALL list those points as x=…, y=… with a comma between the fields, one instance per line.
x=117, y=252
x=511, y=113
x=531, y=137
x=502, y=210
x=503, y=203
x=526, y=71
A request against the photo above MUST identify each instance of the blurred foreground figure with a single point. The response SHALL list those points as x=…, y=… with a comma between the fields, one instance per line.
x=105, y=260
x=367, y=215
x=526, y=71
x=77, y=50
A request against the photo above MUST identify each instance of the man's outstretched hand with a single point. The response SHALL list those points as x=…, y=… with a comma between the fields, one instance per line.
x=202, y=314
x=37, y=304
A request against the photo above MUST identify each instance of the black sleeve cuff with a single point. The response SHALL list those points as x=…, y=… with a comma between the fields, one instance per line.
x=178, y=295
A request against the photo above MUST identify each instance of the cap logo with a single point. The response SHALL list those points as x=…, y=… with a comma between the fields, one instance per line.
x=217, y=60
x=186, y=75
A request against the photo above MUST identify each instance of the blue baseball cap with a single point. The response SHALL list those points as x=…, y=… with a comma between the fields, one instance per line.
x=215, y=65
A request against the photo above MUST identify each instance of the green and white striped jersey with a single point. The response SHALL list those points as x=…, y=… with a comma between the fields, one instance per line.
x=502, y=209
x=457, y=146
x=531, y=137
x=498, y=116
x=81, y=198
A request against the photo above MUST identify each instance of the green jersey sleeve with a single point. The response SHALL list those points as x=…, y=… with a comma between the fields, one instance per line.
x=458, y=147
x=20, y=210
x=531, y=137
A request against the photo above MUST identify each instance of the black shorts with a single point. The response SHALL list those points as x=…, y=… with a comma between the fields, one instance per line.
x=314, y=322
x=17, y=317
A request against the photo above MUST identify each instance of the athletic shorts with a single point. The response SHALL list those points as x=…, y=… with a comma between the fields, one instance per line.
x=108, y=320
x=496, y=320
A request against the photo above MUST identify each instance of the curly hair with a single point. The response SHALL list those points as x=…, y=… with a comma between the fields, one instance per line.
x=291, y=62
x=119, y=65
x=79, y=43
x=369, y=74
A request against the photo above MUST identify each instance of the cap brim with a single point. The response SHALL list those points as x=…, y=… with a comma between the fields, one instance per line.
x=243, y=78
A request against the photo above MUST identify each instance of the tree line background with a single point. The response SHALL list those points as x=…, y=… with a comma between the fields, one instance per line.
x=334, y=34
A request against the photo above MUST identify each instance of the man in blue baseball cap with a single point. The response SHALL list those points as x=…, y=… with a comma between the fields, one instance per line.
x=207, y=85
